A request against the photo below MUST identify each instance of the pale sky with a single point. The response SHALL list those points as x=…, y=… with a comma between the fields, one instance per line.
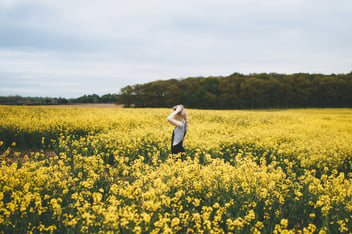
x=68, y=48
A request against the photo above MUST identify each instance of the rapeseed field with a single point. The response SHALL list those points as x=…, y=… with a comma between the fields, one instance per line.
x=88, y=170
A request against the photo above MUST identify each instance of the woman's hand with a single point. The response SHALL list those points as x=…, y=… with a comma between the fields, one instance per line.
x=178, y=109
x=170, y=118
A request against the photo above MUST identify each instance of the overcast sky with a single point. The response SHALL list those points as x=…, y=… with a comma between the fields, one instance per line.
x=68, y=48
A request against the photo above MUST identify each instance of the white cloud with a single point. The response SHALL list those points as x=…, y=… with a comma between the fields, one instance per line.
x=101, y=46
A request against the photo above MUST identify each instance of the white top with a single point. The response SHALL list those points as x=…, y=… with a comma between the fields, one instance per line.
x=179, y=134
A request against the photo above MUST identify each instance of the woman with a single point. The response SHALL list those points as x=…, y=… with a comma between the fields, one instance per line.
x=180, y=120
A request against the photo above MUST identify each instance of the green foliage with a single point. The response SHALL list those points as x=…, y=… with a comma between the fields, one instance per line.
x=93, y=98
x=236, y=91
x=239, y=91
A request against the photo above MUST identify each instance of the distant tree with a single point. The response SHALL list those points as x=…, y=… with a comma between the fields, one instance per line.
x=299, y=90
x=327, y=88
x=172, y=95
x=126, y=96
x=343, y=90
x=154, y=93
x=244, y=91
x=190, y=92
x=62, y=101
x=235, y=91
x=250, y=92
x=228, y=94
x=108, y=98
x=277, y=93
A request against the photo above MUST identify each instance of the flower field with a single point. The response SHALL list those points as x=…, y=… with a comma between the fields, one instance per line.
x=100, y=170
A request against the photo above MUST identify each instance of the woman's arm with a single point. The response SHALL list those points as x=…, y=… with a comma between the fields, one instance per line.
x=171, y=119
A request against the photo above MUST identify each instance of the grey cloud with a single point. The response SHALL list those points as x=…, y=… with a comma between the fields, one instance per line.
x=106, y=45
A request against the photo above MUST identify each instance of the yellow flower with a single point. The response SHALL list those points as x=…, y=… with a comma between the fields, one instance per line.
x=284, y=223
x=239, y=223
x=259, y=225
x=255, y=158
x=175, y=222
x=250, y=216
x=196, y=202
x=342, y=225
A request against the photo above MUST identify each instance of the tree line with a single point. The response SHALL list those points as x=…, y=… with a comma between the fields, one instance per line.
x=236, y=91
x=92, y=98
x=239, y=91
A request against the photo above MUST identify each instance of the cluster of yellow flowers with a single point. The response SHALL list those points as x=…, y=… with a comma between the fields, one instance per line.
x=87, y=170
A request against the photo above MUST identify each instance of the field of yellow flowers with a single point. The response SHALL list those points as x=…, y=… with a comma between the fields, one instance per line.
x=97, y=170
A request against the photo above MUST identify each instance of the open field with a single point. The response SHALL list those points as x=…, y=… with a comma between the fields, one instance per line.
x=95, y=105
x=100, y=170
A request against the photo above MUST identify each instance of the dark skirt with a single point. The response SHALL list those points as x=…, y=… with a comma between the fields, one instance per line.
x=175, y=149
x=178, y=148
